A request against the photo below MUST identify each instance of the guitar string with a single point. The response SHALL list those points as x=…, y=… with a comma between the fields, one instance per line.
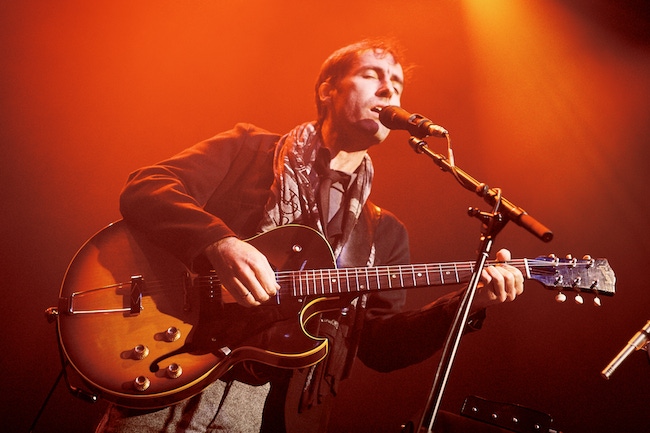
x=327, y=277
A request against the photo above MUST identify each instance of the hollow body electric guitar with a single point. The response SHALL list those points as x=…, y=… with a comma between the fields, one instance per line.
x=144, y=331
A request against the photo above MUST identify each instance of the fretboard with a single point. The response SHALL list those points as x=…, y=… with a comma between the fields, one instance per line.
x=354, y=280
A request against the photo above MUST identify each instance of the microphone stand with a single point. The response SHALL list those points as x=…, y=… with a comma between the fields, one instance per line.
x=492, y=224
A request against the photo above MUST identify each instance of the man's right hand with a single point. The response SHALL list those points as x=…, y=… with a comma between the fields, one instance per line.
x=243, y=270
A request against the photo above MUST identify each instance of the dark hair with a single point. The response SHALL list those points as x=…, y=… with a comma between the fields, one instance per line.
x=338, y=64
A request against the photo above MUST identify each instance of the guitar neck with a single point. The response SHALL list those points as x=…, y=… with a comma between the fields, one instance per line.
x=587, y=275
x=355, y=280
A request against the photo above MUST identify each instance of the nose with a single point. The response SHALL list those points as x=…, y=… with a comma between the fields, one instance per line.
x=386, y=89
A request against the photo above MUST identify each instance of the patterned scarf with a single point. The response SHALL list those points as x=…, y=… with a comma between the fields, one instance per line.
x=293, y=193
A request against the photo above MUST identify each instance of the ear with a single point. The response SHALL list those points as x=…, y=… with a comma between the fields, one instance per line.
x=325, y=92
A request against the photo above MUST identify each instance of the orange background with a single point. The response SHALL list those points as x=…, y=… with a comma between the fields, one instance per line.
x=548, y=100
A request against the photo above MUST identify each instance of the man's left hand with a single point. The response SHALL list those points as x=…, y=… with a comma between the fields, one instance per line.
x=499, y=283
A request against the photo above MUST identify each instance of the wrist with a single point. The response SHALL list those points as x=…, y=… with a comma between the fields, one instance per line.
x=218, y=246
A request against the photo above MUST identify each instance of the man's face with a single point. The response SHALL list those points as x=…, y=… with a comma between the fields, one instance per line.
x=374, y=80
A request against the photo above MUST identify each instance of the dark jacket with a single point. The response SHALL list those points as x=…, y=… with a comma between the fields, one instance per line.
x=219, y=188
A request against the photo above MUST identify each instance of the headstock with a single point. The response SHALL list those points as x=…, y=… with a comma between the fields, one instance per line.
x=579, y=275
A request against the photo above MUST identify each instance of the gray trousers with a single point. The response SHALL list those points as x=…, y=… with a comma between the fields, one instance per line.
x=222, y=407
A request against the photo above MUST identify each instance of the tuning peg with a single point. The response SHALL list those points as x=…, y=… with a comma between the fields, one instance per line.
x=579, y=299
x=594, y=287
x=560, y=297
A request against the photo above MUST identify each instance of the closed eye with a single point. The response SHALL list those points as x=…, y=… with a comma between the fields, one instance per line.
x=370, y=73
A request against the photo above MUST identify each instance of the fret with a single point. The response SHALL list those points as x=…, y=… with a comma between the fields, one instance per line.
x=309, y=278
x=416, y=275
x=426, y=272
x=386, y=274
x=446, y=273
x=325, y=281
x=329, y=280
x=468, y=271
x=304, y=283
x=526, y=269
x=356, y=275
x=305, y=286
x=340, y=281
x=345, y=280
x=313, y=280
x=320, y=288
x=389, y=277
x=320, y=283
x=367, y=280
x=335, y=281
x=378, y=286
x=302, y=277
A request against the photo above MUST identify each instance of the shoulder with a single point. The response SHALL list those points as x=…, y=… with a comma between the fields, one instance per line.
x=242, y=136
x=245, y=132
x=385, y=219
x=390, y=236
x=248, y=130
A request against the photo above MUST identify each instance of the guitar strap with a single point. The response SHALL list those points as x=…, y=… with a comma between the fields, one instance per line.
x=310, y=391
x=360, y=251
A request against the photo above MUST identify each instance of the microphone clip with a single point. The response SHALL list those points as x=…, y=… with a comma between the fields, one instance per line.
x=640, y=341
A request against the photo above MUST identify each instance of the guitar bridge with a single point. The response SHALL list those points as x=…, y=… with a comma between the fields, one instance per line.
x=137, y=282
x=96, y=301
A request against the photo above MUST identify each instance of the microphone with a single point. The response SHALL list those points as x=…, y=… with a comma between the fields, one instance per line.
x=637, y=342
x=394, y=117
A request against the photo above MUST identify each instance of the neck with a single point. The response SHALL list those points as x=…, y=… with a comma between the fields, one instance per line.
x=346, y=157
